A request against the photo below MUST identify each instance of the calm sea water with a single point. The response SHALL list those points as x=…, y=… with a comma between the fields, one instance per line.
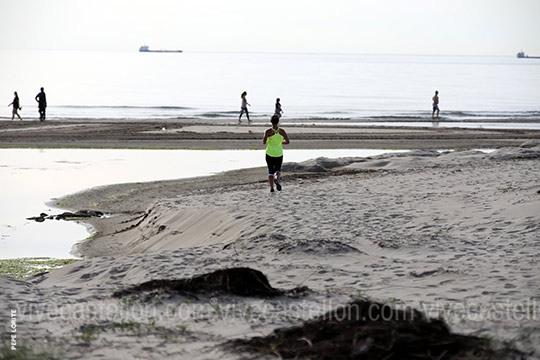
x=133, y=85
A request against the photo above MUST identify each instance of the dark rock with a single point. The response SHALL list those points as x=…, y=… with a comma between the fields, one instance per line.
x=67, y=215
x=89, y=213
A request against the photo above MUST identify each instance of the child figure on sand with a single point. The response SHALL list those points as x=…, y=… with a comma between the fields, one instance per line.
x=243, y=107
x=274, y=138
x=16, y=107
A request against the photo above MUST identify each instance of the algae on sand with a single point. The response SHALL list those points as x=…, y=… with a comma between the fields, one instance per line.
x=21, y=268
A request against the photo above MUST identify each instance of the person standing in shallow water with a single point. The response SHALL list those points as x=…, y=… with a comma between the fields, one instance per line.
x=435, y=105
x=278, y=111
x=243, y=107
x=275, y=138
x=42, y=104
x=16, y=107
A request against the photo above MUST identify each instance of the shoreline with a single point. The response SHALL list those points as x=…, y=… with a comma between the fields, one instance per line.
x=259, y=119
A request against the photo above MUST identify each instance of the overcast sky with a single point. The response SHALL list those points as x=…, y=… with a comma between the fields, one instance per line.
x=484, y=27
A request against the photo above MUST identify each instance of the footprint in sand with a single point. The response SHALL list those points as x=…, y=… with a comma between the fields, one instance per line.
x=89, y=276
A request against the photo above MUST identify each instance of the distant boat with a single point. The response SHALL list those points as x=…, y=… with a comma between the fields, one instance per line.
x=146, y=48
x=522, y=55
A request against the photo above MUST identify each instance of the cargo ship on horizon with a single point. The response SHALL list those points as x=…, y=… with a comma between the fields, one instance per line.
x=146, y=48
x=522, y=55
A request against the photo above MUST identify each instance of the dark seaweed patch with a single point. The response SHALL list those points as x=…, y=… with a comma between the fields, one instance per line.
x=236, y=281
x=368, y=330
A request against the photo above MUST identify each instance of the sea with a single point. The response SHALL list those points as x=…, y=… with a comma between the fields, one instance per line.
x=324, y=88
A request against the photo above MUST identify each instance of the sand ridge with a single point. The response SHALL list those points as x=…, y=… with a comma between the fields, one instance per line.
x=164, y=227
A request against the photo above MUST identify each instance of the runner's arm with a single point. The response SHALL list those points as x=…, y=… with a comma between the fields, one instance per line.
x=285, y=137
x=265, y=136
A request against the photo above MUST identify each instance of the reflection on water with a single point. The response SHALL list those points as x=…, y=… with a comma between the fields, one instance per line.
x=32, y=177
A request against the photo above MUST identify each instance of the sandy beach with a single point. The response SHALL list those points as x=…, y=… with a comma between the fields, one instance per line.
x=455, y=235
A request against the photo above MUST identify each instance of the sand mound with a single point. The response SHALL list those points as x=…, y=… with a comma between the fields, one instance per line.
x=319, y=165
x=162, y=227
x=368, y=330
x=409, y=159
x=414, y=159
x=530, y=143
x=279, y=244
x=528, y=150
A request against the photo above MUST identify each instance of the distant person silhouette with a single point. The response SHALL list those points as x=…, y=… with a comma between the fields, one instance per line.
x=278, y=111
x=435, y=105
x=243, y=107
x=16, y=107
x=42, y=104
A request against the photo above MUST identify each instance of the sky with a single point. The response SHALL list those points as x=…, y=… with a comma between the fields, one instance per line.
x=461, y=27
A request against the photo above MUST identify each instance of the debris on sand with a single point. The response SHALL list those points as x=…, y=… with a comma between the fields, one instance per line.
x=368, y=330
x=67, y=215
x=237, y=281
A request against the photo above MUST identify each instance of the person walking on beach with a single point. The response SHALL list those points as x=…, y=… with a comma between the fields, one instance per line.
x=274, y=138
x=243, y=107
x=435, y=105
x=42, y=104
x=278, y=111
x=16, y=107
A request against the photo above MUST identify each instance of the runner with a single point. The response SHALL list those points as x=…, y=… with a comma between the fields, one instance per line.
x=274, y=138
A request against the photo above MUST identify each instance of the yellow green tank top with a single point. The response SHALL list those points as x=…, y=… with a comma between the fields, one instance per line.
x=274, y=144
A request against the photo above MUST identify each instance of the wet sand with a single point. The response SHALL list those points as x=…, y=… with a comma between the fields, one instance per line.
x=222, y=134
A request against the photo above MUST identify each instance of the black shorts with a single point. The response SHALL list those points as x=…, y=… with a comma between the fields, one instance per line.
x=274, y=164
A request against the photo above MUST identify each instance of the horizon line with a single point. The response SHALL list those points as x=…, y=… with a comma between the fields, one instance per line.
x=136, y=50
